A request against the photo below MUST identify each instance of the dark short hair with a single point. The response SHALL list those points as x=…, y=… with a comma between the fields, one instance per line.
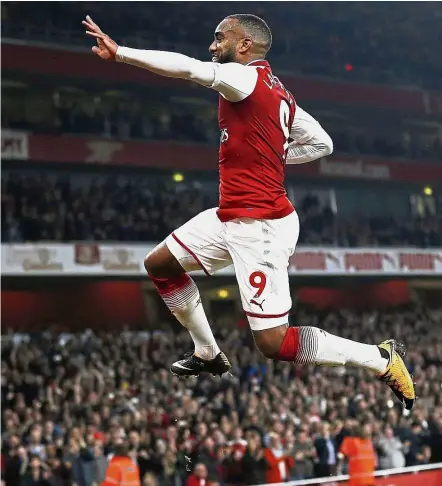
x=256, y=27
x=121, y=449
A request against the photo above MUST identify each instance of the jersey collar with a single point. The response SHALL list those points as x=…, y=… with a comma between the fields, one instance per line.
x=259, y=62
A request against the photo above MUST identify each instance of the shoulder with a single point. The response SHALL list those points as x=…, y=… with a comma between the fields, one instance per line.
x=114, y=463
x=233, y=71
x=234, y=81
x=347, y=443
x=236, y=67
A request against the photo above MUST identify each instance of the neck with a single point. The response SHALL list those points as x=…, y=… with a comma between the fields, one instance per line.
x=250, y=59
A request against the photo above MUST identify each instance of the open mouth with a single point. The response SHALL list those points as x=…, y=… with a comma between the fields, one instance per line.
x=215, y=58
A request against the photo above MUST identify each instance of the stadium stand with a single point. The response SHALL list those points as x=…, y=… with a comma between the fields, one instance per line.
x=66, y=397
x=51, y=206
x=118, y=113
x=381, y=45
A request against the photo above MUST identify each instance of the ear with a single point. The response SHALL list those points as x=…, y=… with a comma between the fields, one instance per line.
x=244, y=45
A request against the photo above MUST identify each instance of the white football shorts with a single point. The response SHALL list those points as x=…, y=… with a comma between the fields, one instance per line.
x=259, y=250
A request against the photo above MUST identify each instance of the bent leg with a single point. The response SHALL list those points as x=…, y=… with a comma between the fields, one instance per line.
x=167, y=266
x=260, y=251
x=161, y=263
x=311, y=345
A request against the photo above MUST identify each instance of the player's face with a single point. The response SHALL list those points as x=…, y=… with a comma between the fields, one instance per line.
x=227, y=41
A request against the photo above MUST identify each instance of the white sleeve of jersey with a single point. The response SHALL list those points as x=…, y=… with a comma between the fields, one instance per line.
x=169, y=64
x=309, y=140
x=233, y=81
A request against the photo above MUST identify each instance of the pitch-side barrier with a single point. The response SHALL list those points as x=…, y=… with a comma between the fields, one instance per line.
x=426, y=475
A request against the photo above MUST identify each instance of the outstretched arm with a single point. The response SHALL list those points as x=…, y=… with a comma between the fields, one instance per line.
x=310, y=140
x=234, y=81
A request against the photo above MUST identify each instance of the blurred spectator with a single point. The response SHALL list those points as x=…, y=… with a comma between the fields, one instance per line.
x=35, y=446
x=169, y=468
x=361, y=457
x=254, y=461
x=424, y=457
x=326, y=452
x=35, y=475
x=391, y=450
x=99, y=464
x=122, y=470
x=79, y=460
x=16, y=462
x=199, y=476
x=415, y=441
x=304, y=453
x=279, y=461
x=435, y=427
x=149, y=479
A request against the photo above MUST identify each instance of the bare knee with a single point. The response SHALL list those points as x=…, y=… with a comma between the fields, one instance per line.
x=160, y=263
x=269, y=341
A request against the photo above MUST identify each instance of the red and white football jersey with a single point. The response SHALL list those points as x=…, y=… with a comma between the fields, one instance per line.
x=253, y=150
x=257, y=117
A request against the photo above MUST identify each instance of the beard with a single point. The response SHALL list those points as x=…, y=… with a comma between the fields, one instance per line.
x=227, y=56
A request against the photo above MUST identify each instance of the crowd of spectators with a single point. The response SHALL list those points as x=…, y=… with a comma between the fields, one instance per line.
x=381, y=43
x=68, y=398
x=188, y=118
x=110, y=114
x=96, y=209
x=73, y=207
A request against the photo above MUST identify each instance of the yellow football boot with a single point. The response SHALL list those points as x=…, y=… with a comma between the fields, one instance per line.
x=396, y=375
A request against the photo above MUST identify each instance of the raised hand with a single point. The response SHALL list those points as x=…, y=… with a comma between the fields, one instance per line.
x=106, y=47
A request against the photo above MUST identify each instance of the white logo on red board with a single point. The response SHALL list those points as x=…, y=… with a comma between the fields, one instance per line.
x=313, y=260
x=102, y=151
x=367, y=261
x=419, y=261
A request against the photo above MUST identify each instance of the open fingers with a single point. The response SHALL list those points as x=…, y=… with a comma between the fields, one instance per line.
x=91, y=22
x=97, y=35
x=90, y=27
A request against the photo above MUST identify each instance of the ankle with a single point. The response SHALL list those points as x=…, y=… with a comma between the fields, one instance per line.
x=207, y=352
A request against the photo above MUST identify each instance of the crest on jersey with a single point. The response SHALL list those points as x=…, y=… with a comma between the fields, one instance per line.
x=224, y=135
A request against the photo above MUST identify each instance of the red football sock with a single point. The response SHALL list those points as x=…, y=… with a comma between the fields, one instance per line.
x=310, y=345
x=290, y=345
x=171, y=285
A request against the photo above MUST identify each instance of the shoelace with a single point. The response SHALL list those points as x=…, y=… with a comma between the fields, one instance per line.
x=190, y=355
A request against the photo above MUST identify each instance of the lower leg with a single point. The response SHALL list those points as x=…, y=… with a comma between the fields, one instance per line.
x=311, y=345
x=180, y=293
